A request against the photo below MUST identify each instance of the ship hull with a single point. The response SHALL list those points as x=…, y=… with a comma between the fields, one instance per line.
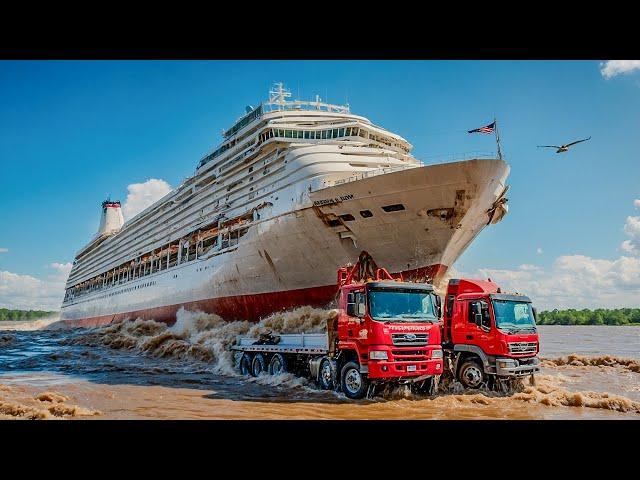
x=239, y=307
x=291, y=259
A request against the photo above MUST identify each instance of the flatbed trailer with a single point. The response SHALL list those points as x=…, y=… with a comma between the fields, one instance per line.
x=291, y=343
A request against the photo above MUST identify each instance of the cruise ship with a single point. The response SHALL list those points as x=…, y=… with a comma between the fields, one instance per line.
x=295, y=190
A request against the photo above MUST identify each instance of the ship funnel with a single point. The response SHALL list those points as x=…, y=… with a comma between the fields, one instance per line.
x=112, y=219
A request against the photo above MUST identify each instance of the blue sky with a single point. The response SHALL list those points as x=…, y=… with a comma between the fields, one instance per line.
x=73, y=132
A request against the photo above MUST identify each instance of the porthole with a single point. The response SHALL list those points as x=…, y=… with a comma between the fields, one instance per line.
x=393, y=208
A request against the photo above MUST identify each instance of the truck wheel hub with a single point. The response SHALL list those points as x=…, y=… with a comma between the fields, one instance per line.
x=326, y=373
x=353, y=381
x=277, y=367
x=473, y=376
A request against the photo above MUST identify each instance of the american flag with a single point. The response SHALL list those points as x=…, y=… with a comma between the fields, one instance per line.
x=487, y=129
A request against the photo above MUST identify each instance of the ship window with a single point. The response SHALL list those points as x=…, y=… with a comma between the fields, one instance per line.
x=341, y=132
x=334, y=223
x=366, y=213
x=324, y=134
x=347, y=217
x=334, y=133
x=287, y=133
x=393, y=208
x=307, y=135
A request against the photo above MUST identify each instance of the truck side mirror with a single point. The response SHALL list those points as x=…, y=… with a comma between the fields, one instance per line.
x=535, y=313
x=360, y=309
x=477, y=317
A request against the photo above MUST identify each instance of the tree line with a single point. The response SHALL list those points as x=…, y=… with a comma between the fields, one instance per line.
x=6, y=314
x=599, y=316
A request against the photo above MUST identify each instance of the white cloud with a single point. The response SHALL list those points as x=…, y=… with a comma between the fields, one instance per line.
x=141, y=195
x=63, y=270
x=529, y=267
x=4, y=250
x=632, y=228
x=575, y=281
x=30, y=293
x=539, y=251
x=611, y=68
x=578, y=281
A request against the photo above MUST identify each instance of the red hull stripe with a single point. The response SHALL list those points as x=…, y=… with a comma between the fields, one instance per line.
x=246, y=307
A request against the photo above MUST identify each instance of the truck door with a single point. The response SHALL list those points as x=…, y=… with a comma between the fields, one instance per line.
x=355, y=309
x=479, y=334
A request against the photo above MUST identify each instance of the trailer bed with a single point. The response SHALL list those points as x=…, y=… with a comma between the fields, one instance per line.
x=310, y=343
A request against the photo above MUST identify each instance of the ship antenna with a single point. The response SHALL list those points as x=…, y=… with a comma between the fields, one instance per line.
x=279, y=94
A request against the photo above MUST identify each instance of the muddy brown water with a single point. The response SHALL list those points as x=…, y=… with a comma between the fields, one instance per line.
x=144, y=370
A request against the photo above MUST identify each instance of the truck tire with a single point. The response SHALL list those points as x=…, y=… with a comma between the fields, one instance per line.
x=353, y=383
x=245, y=364
x=258, y=365
x=277, y=365
x=326, y=375
x=471, y=374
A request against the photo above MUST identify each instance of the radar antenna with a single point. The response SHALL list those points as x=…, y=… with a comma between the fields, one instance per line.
x=279, y=94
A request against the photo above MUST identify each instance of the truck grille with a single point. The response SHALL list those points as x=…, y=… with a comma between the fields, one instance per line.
x=410, y=339
x=410, y=355
x=522, y=347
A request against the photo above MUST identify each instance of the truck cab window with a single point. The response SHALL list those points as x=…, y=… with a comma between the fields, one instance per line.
x=484, y=308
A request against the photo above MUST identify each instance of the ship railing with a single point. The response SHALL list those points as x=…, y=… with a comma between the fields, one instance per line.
x=444, y=158
x=370, y=173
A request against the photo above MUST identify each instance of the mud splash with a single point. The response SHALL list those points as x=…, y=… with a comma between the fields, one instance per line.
x=16, y=404
x=200, y=336
x=575, y=360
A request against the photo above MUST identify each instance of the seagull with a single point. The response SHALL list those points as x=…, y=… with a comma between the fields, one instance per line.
x=564, y=148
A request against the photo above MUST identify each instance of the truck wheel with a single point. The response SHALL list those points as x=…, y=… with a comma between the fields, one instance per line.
x=245, y=364
x=277, y=365
x=354, y=384
x=325, y=375
x=258, y=365
x=471, y=374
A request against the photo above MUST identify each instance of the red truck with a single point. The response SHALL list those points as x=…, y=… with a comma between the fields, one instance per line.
x=389, y=332
x=488, y=336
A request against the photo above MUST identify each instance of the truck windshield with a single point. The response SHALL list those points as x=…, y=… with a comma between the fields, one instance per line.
x=514, y=316
x=401, y=305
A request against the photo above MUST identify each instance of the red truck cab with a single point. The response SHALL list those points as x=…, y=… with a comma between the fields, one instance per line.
x=488, y=334
x=388, y=330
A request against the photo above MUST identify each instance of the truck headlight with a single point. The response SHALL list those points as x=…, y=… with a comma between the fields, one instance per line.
x=507, y=363
x=378, y=355
x=437, y=353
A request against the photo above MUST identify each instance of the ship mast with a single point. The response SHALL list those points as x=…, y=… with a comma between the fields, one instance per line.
x=279, y=94
x=495, y=123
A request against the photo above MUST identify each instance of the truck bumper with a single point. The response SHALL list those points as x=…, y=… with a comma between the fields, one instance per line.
x=380, y=369
x=531, y=366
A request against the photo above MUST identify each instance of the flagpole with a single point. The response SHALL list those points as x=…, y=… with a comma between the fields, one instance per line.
x=495, y=122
